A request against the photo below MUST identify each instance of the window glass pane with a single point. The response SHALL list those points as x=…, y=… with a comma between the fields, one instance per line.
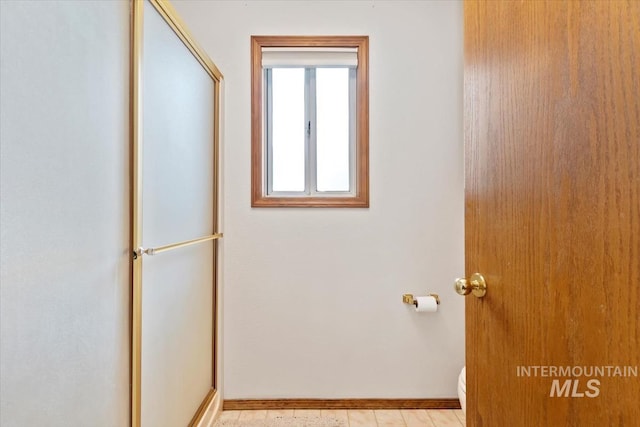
x=288, y=129
x=332, y=137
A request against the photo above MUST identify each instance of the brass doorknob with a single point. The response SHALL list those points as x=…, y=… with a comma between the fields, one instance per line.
x=475, y=285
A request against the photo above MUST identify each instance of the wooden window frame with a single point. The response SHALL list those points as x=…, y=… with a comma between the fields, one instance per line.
x=259, y=196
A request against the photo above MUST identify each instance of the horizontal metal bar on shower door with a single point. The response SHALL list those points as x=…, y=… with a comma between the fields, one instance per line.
x=153, y=251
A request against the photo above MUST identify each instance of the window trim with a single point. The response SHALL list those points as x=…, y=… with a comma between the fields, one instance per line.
x=360, y=196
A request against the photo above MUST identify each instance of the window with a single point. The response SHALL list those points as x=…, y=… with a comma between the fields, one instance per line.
x=309, y=121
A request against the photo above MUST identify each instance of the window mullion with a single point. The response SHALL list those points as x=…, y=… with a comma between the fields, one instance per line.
x=312, y=134
x=307, y=169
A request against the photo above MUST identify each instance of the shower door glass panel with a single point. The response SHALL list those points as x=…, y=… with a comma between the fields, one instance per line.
x=178, y=193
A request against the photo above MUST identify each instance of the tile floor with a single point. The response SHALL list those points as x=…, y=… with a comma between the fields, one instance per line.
x=365, y=418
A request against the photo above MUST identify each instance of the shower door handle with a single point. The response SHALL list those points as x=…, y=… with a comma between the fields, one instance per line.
x=153, y=251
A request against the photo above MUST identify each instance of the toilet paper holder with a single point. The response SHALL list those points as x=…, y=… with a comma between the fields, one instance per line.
x=409, y=299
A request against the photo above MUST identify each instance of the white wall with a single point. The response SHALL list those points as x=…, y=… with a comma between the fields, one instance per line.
x=64, y=351
x=312, y=297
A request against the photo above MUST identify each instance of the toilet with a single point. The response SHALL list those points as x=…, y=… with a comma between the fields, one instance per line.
x=462, y=389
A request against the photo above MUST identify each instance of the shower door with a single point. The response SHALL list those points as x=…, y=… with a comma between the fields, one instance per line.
x=175, y=226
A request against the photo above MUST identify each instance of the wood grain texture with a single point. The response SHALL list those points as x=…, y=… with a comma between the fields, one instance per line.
x=552, y=137
x=271, y=404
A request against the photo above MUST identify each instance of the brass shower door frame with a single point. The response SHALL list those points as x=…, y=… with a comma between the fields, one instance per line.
x=168, y=13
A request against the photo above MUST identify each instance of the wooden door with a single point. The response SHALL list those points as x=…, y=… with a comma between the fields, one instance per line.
x=552, y=134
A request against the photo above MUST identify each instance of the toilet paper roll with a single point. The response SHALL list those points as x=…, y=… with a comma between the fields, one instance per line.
x=426, y=304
